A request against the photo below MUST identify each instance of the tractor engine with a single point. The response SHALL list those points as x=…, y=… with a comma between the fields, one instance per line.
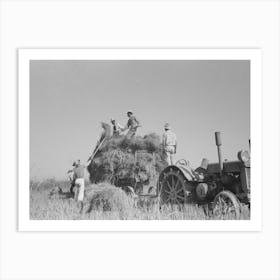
x=233, y=176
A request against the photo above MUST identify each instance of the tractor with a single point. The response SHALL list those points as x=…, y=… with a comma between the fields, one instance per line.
x=221, y=186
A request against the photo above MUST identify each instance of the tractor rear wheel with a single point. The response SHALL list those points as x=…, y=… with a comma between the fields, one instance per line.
x=174, y=187
x=226, y=206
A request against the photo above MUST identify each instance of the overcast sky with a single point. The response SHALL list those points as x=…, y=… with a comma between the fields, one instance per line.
x=69, y=99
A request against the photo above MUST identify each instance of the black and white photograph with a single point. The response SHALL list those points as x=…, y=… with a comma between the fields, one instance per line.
x=138, y=139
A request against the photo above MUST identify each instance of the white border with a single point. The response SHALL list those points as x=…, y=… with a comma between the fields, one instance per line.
x=24, y=57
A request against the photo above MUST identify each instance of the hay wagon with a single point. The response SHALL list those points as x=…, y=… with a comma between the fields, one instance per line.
x=137, y=179
x=128, y=162
x=222, y=186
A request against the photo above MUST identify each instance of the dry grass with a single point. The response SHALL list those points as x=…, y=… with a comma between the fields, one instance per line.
x=106, y=202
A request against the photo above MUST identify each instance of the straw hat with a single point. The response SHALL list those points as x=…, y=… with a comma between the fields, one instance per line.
x=167, y=126
x=76, y=162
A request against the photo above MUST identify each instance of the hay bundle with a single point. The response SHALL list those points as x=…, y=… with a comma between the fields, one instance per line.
x=105, y=197
x=125, y=161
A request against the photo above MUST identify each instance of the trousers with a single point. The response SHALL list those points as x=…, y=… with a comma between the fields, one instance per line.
x=131, y=133
x=169, y=154
x=80, y=189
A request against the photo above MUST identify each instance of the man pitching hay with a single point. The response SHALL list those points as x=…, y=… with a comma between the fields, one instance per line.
x=169, y=143
x=72, y=181
x=132, y=124
x=79, y=179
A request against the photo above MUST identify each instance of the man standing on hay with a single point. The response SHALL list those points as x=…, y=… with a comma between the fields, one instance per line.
x=169, y=143
x=132, y=125
x=117, y=128
x=79, y=179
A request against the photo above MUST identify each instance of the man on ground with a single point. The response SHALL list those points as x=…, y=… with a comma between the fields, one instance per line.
x=79, y=178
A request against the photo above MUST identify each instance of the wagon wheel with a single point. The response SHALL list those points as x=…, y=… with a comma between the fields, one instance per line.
x=174, y=187
x=226, y=205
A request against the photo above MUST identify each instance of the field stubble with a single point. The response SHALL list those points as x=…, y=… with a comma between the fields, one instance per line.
x=106, y=202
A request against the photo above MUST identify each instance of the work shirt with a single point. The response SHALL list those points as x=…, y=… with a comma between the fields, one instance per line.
x=133, y=123
x=71, y=175
x=79, y=172
x=169, y=139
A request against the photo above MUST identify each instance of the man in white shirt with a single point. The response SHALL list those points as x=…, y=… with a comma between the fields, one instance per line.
x=169, y=143
x=117, y=128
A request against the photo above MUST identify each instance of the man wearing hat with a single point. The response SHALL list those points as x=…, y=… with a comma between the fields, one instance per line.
x=79, y=179
x=169, y=143
x=72, y=181
x=117, y=128
x=132, y=124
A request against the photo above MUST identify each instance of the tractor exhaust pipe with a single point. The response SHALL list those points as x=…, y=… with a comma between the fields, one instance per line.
x=219, y=144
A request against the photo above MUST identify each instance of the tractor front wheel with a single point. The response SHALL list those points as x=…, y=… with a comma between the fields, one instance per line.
x=226, y=206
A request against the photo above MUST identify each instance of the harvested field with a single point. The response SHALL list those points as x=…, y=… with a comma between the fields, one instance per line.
x=51, y=200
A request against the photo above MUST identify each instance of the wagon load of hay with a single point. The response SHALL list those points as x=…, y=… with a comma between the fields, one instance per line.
x=126, y=161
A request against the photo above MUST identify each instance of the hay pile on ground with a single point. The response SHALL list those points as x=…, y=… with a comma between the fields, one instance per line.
x=105, y=197
x=125, y=161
